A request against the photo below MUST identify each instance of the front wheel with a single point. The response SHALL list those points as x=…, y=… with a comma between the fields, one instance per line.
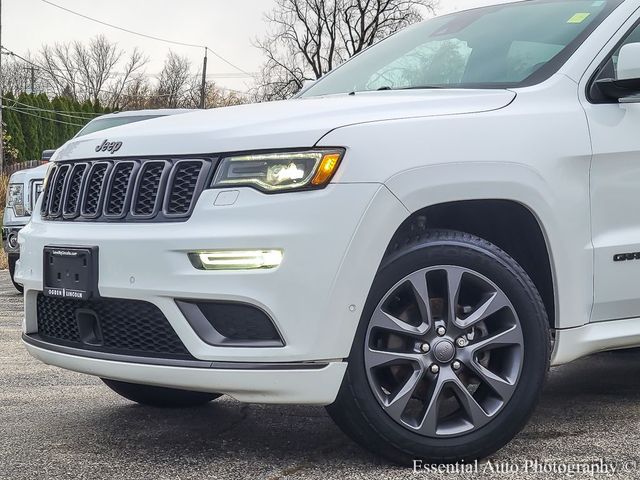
x=159, y=396
x=450, y=356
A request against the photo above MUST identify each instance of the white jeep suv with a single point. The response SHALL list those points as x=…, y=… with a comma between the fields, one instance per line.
x=411, y=241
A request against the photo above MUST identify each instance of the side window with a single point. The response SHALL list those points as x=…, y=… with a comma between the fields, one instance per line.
x=633, y=38
x=610, y=70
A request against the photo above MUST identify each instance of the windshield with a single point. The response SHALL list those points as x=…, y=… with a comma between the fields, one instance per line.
x=503, y=46
x=104, y=123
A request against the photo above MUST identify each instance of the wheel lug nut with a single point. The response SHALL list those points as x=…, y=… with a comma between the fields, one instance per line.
x=462, y=342
x=434, y=368
x=456, y=365
x=441, y=331
x=425, y=348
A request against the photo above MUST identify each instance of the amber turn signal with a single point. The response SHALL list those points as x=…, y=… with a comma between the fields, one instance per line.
x=327, y=168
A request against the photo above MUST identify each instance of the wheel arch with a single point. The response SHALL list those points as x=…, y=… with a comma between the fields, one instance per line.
x=508, y=224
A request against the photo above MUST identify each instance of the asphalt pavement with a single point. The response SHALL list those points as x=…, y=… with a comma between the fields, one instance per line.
x=58, y=424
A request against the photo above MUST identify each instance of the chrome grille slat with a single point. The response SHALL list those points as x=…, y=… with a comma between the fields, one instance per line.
x=128, y=190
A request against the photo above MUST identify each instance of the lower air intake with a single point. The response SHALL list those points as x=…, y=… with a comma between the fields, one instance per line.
x=231, y=324
x=117, y=326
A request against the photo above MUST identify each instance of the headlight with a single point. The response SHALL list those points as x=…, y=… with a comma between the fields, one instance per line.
x=276, y=172
x=15, y=198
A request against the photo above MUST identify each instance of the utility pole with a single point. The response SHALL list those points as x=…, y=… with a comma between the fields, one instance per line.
x=33, y=79
x=1, y=94
x=203, y=91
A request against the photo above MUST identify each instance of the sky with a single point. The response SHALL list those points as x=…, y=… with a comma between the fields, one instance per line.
x=229, y=27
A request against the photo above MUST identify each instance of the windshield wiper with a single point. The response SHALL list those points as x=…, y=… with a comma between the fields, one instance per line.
x=424, y=87
x=420, y=87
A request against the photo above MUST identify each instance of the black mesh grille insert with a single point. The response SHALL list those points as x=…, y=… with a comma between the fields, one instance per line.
x=93, y=191
x=119, y=187
x=183, y=185
x=128, y=190
x=72, y=197
x=239, y=322
x=146, y=198
x=230, y=324
x=128, y=327
x=56, y=194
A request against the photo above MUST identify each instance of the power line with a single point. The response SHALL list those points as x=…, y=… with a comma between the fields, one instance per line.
x=227, y=75
x=64, y=113
x=123, y=94
x=215, y=54
x=17, y=110
x=49, y=71
x=152, y=37
x=23, y=112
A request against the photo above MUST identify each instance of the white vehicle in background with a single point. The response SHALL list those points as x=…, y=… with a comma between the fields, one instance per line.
x=401, y=242
x=25, y=186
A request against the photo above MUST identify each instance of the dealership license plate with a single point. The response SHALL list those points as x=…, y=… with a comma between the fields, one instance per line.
x=71, y=272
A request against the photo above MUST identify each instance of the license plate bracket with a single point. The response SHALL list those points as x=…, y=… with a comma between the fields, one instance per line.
x=70, y=272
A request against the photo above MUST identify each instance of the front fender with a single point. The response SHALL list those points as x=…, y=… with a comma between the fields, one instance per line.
x=534, y=152
x=567, y=241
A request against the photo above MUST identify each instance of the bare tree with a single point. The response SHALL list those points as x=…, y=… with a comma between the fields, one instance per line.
x=364, y=22
x=89, y=72
x=136, y=94
x=19, y=76
x=173, y=81
x=177, y=86
x=131, y=78
x=220, y=97
x=311, y=37
x=215, y=96
x=58, y=69
x=100, y=71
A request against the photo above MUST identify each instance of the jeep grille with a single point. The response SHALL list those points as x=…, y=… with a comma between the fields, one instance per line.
x=125, y=190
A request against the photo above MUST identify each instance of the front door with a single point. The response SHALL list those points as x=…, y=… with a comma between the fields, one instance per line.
x=615, y=197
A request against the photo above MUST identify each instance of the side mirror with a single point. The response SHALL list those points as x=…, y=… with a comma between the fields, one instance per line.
x=46, y=155
x=627, y=83
x=629, y=62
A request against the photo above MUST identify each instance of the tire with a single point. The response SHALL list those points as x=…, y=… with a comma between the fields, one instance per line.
x=12, y=259
x=370, y=406
x=159, y=396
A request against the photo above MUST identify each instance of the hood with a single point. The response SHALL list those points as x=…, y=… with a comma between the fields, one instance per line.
x=295, y=123
x=27, y=175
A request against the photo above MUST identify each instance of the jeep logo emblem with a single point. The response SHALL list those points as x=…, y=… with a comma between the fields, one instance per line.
x=107, y=146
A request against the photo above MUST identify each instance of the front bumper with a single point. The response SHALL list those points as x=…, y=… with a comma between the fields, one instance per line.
x=255, y=383
x=333, y=241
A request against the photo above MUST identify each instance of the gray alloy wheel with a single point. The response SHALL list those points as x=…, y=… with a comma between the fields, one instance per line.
x=444, y=351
